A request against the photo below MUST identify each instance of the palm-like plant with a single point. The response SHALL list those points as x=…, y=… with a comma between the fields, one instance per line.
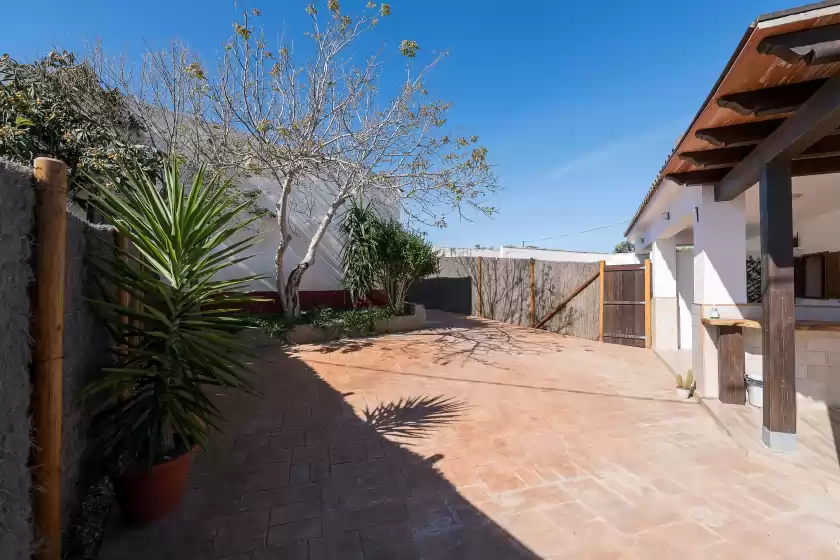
x=358, y=254
x=179, y=334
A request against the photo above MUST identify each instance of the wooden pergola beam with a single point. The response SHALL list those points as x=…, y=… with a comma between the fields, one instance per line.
x=746, y=134
x=820, y=45
x=729, y=157
x=771, y=101
x=817, y=118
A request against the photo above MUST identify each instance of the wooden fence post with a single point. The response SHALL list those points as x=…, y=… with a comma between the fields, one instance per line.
x=48, y=326
x=601, y=302
x=533, y=296
x=478, y=283
x=647, y=304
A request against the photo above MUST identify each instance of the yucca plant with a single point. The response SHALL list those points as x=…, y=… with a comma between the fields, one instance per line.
x=179, y=334
x=359, y=263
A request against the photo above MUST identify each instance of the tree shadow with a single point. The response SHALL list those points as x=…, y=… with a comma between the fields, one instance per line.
x=414, y=417
x=344, y=345
x=450, y=338
x=299, y=474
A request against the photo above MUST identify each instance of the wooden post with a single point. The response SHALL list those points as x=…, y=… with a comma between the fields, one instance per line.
x=778, y=332
x=48, y=330
x=533, y=296
x=648, y=340
x=479, y=286
x=731, y=389
x=601, y=302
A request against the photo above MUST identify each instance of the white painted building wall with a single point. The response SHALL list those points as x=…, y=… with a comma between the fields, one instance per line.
x=542, y=255
x=685, y=296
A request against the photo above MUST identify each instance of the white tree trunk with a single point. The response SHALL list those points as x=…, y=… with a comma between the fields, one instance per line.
x=285, y=237
x=292, y=297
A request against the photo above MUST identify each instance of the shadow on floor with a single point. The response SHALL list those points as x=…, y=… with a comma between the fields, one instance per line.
x=454, y=338
x=299, y=475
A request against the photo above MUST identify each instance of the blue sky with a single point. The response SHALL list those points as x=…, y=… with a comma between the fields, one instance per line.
x=578, y=102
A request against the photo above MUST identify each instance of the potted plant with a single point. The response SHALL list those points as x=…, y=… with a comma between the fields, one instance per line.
x=177, y=336
x=685, y=387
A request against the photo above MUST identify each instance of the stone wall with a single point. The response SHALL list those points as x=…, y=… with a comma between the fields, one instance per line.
x=817, y=364
x=86, y=349
x=17, y=199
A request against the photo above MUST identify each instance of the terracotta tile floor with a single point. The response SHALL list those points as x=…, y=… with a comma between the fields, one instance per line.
x=548, y=447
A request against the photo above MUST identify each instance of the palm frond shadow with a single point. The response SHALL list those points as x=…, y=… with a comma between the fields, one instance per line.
x=415, y=417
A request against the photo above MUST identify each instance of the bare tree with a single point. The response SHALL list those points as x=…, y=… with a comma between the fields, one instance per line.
x=320, y=120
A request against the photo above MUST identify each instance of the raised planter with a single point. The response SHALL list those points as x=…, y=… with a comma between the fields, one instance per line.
x=414, y=319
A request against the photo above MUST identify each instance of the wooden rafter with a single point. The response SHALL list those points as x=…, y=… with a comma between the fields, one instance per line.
x=746, y=134
x=771, y=101
x=721, y=157
x=699, y=177
x=728, y=157
x=820, y=45
x=816, y=119
x=799, y=168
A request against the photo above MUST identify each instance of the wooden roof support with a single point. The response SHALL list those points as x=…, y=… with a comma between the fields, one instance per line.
x=699, y=177
x=729, y=157
x=747, y=134
x=778, y=334
x=820, y=45
x=799, y=168
x=817, y=118
x=771, y=101
x=721, y=157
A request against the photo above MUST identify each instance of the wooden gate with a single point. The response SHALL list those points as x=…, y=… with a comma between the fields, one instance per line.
x=625, y=304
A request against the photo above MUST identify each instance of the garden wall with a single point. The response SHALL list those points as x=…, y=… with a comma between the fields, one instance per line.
x=17, y=200
x=85, y=351
x=506, y=288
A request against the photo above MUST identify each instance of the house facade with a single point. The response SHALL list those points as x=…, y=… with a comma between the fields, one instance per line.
x=756, y=179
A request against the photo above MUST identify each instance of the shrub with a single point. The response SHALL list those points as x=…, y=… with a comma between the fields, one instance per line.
x=384, y=254
x=403, y=257
x=57, y=107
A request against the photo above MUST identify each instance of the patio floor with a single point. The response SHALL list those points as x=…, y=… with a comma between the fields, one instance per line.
x=538, y=446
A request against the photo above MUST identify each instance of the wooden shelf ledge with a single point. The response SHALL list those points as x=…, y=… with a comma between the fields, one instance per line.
x=826, y=326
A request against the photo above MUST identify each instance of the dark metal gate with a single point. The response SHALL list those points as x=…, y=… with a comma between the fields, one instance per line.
x=625, y=304
x=445, y=294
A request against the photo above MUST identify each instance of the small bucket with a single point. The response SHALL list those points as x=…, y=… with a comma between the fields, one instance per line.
x=755, y=390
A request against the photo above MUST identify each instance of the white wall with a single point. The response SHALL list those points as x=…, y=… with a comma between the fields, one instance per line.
x=567, y=256
x=307, y=208
x=685, y=296
x=541, y=255
x=463, y=252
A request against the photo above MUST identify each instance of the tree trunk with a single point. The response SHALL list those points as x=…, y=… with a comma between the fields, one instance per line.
x=291, y=294
x=285, y=237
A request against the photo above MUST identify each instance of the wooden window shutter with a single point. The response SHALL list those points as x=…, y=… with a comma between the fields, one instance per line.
x=832, y=275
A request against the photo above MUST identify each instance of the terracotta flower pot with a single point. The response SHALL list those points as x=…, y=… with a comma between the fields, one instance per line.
x=146, y=495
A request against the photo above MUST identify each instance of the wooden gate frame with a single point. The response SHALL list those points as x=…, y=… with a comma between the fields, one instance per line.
x=648, y=335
